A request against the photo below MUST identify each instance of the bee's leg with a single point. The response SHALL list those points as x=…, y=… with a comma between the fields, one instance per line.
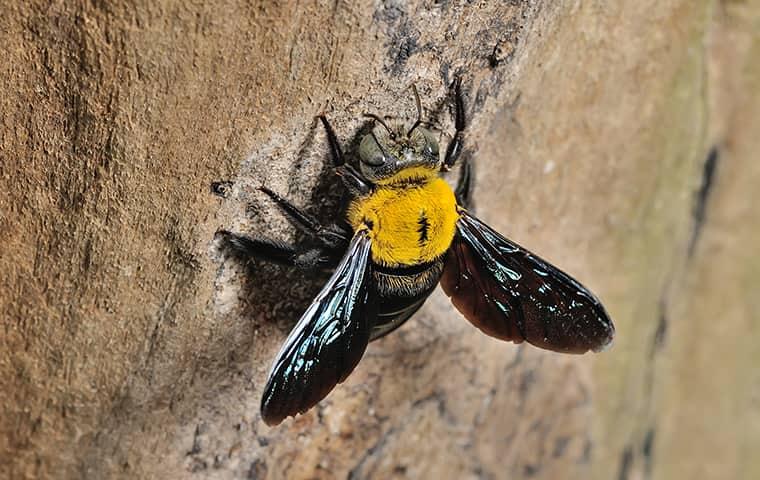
x=351, y=178
x=245, y=249
x=454, y=149
x=333, y=237
x=335, y=151
x=317, y=259
x=463, y=191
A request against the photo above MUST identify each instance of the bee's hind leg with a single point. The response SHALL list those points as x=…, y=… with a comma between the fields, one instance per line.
x=245, y=249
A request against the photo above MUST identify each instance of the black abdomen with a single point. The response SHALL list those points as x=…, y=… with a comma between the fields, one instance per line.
x=401, y=292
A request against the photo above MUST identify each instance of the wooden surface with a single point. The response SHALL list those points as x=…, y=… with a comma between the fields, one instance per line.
x=618, y=141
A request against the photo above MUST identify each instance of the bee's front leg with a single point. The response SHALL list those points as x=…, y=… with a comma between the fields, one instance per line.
x=335, y=151
x=454, y=149
x=463, y=191
x=351, y=178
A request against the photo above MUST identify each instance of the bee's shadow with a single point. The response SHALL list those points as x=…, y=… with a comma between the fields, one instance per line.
x=275, y=296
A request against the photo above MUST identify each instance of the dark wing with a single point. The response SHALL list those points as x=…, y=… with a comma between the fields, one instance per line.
x=511, y=294
x=327, y=342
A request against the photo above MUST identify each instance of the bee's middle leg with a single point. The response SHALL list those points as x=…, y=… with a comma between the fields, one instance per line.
x=332, y=237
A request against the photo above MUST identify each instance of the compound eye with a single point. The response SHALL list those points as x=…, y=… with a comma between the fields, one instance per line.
x=375, y=160
x=431, y=149
x=370, y=152
x=431, y=143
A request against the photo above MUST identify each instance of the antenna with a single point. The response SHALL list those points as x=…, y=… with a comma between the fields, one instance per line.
x=419, y=110
x=381, y=122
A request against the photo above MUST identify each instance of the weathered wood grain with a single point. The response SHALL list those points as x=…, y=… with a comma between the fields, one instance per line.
x=616, y=140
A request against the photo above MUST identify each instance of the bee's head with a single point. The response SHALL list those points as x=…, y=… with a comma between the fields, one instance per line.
x=384, y=151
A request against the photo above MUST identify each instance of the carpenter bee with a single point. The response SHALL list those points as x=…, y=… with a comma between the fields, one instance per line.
x=405, y=231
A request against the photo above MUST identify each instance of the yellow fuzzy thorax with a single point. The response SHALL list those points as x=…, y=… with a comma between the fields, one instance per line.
x=409, y=222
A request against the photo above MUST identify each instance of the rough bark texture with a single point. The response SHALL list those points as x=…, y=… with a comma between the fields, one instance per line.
x=619, y=141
